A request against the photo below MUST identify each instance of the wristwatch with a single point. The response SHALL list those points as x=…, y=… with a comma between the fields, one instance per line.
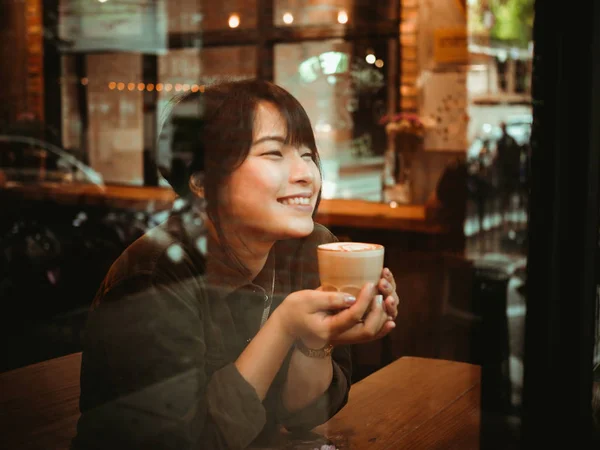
x=322, y=352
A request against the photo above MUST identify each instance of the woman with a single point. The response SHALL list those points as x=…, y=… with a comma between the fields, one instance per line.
x=215, y=352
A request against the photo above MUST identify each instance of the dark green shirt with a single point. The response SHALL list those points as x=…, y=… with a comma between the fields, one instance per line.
x=165, y=328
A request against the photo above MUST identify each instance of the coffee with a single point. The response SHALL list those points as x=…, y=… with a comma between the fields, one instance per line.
x=347, y=266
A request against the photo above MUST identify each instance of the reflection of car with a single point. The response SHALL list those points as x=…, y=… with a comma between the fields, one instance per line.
x=28, y=160
x=519, y=127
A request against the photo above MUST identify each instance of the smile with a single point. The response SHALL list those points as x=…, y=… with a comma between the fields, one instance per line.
x=295, y=201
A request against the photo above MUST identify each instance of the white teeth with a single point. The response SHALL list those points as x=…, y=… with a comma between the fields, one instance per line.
x=296, y=201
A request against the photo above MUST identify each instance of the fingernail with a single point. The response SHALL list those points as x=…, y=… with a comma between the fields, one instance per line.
x=379, y=299
x=386, y=284
x=349, y=299
x=387, y=272
x=393, y=324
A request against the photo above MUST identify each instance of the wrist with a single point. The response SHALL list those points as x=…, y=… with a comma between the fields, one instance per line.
x=285, y=331
x=321, y=352
x=312, y=343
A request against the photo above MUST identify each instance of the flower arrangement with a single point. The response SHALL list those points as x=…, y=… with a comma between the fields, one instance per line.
x=406, y=123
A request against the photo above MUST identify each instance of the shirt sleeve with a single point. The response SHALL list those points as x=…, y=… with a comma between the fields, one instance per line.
x=144, y=381
x=336, y=396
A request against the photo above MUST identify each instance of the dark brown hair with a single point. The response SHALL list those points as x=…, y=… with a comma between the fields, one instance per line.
x=227, y=112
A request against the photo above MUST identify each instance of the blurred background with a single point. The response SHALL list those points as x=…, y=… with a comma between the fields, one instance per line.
x=423, y=116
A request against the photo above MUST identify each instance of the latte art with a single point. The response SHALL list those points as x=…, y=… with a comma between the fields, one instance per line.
x=349, y=246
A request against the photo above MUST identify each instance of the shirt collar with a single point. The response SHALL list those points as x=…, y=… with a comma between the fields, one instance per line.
x=224, y=277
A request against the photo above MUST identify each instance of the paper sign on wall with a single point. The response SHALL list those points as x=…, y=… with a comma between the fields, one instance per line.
x=450, y=46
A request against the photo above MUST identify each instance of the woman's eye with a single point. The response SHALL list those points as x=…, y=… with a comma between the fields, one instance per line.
x=307, y=155
x=273, y=153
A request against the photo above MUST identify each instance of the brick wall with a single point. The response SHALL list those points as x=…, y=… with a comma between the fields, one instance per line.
x=409, y=64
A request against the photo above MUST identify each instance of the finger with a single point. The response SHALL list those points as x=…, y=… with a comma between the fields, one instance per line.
x=375, y=319
x=363, y=301
x=331, y=301
x=347, y=318
x=385, y=287
x=389, y=276
x=391, y=306
x=387, y=327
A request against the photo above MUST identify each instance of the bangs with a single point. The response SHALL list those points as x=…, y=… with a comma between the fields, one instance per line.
x=299, y=128
x=299, y=131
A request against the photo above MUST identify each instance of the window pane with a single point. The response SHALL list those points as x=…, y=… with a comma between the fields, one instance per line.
x=182, y=70
x=324, y=12
x=344, y=97
x=187, y=16
x=115, y=133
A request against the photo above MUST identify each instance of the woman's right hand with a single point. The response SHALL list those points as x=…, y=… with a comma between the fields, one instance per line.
x=318, y=317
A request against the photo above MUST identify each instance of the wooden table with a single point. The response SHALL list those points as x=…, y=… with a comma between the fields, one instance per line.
x=411, y=403
x=39, y=404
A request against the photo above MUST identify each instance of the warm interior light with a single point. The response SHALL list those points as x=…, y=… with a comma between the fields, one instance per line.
x=342, y=17
x=112, y=85
x=234, y=21
x=121, y=86
x=370, y=58
x=379, y=63
x=141, y=86
x=288, y=18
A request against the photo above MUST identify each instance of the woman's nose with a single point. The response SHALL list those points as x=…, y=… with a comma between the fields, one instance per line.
x=301, y=171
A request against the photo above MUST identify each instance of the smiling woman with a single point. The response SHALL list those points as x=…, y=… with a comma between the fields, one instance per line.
x=221, y=345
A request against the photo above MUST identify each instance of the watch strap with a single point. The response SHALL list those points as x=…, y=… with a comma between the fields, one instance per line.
x=322, y=352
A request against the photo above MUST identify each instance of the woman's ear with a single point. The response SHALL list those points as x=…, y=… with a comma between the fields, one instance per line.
x=196, y=184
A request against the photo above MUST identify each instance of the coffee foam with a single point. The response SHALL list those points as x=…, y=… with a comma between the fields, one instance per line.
x=349, y=246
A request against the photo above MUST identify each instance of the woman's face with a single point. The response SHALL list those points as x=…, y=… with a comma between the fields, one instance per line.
x=272, y=195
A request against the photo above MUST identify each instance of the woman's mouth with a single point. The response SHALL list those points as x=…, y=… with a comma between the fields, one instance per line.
x=293, y=201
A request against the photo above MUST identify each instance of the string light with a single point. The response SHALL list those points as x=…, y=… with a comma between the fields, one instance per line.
x=234, y=21
x=379, y=63
x=158, y=87
x=288, y=18
x=84, y=81
x=342, y=17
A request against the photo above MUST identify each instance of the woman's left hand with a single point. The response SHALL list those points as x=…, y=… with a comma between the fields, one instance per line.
x=387, y=288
